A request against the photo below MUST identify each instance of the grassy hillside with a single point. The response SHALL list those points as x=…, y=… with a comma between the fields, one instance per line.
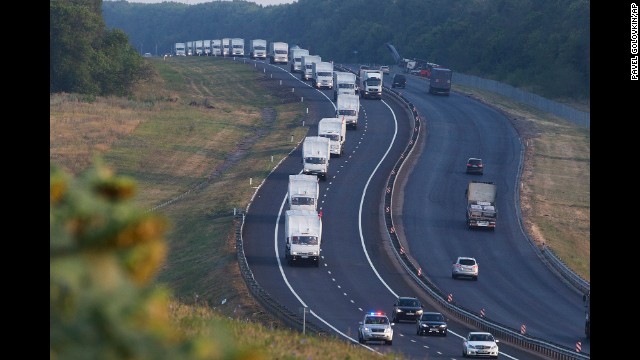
x=200, y=137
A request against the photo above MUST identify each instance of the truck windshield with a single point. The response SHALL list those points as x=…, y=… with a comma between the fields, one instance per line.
x=372, y=81
x=304, y=240
x=324, y=73
x=345, y=86
x=260, y=47
x=334, y=137
x=347, y=112
x=315, y=160
x=281, y=51
x=302, y=200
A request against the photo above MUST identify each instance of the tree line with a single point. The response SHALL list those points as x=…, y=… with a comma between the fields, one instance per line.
x=540, y=46
x=85, y=56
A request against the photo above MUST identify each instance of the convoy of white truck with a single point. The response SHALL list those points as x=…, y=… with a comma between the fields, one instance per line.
x=278, y=52
x=335, y=129
x=344, y=83
x=258, y=49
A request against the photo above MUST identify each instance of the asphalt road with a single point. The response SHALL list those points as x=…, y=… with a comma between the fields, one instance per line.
x=357, y=273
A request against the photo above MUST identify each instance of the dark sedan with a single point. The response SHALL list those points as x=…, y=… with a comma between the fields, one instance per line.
x=406, y=308
x=431, y=322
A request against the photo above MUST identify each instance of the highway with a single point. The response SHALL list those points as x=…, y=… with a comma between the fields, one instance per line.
x=357, y=272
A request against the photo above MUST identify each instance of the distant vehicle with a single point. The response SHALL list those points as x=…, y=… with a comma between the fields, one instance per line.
x=335, y=129
x=431, y=322
x=303, y=192
x=306, y=65
x=316, y=153
x=258, y=49
x=480, y=344
x=303, y=237
x=147, y=54
x=237, y=47
x=440, y=81
x=226, y=47
x=199, y=47
x=344, y=83
x=465, y=266
x=216, y=47
x=384, y=69
x=322, y=74
x=189, y=48
x=207, y=47
x=375, y=327
x=295, y=56
x=399, y=81
x=475, y=166
x=348, y=108
x=481, y=205
x=179, y=49
x=406, y=308
x=370, y=84
x=278, y=53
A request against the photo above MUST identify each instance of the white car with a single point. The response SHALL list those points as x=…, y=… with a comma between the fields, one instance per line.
x=375, y=327
x=384, y=69
x=480, y=344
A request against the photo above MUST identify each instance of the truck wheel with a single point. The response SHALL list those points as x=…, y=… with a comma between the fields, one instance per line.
x=389, y=342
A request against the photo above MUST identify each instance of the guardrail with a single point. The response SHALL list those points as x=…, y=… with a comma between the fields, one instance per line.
x=297, y=322
x=500, y=331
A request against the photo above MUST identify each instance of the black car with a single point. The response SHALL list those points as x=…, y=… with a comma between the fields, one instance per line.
x=431, y=322
x=406, y=308
x=475, y=166
x=399, y=81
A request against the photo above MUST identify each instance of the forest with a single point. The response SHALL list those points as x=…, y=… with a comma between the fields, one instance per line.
x=541, y=46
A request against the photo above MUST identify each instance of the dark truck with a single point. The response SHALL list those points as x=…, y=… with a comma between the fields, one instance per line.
x=481, y=205
x=440, y=81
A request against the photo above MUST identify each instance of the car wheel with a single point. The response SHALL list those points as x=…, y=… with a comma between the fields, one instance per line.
x=475, y=278
x=454, y=276
x=389, y=342
x=444, y=333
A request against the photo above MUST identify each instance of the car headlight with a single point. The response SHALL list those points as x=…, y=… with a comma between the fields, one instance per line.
x=398, y=310
x=387, y=330
x=419, y=312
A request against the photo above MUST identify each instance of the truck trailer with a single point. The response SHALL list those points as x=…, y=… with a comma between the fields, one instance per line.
x=344, y=83
x=303, y=192
x=303, y=237
x=335, y=129
x=481, y=205
x=348, y=108
x=440, y=81
x=316, y=153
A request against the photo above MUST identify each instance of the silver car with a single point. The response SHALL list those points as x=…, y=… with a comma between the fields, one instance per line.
x=375, y=327
x=465, y=266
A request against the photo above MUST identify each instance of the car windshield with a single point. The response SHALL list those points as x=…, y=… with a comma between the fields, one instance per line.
x=432, y=317
x=376, y=320
x=408, y=302
x=481, y=337
x=301, y=200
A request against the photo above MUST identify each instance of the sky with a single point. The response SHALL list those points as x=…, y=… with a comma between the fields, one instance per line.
x=192, y=2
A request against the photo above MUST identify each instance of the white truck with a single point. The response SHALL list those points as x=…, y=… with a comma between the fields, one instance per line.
x=322, y=75
x=306, y=63
x=216, y=47
x=179, y=49
x=278, y=52
x=258, y=49
x=303, y=236
x=348, y=108
x=295, y=56
x=344, y=83
x=207, y=47
x=335, y=129
x=199, y=47
x=303, y=193
x=189, y=48
x=481, y=205
x=226, y=47
x=370, y=84
x=237, y=47
x=316, y=152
